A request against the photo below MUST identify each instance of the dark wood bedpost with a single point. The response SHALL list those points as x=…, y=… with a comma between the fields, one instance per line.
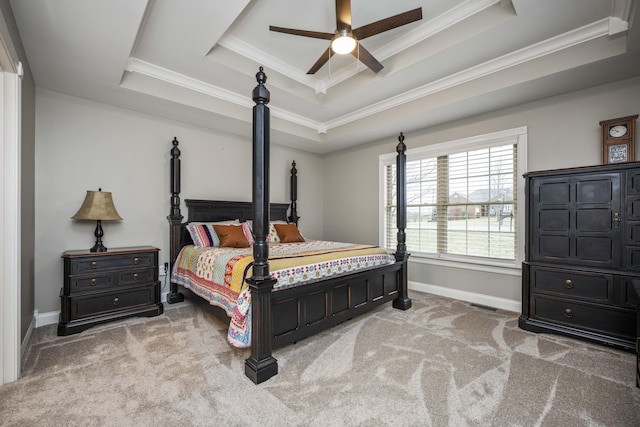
x=261, y=365
x=294, y=194
x=403, y=301
x=175, y=220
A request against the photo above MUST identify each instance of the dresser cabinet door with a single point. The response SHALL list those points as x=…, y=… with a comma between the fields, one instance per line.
x=576, y=220
x=632, y=237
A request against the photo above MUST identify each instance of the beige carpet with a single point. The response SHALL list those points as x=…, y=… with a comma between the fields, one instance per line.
x=441, y=363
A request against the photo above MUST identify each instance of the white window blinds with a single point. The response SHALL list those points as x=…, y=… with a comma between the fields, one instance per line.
x=461, y=203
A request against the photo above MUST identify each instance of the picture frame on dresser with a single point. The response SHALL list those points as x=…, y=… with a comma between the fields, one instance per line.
x=618, y=140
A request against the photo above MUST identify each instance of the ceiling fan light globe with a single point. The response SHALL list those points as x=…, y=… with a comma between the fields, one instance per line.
x=343, y=44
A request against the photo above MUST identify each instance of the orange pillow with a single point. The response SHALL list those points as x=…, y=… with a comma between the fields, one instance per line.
x=288, y=233
x=231, y=236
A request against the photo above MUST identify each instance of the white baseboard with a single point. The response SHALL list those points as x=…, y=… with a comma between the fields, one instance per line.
x=48, y=318
x=476, y=298
x=52, y=317
x=27, y=337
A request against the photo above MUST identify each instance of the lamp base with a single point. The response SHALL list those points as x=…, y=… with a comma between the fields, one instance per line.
x=98, y=247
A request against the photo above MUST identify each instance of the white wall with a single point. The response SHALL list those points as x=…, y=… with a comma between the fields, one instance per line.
x=563, y=131
x=83, y=145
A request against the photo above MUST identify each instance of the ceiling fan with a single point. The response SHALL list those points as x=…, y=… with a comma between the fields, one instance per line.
x=345, y=39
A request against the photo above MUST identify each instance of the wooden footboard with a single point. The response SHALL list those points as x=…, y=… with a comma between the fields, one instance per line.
x=306, y=310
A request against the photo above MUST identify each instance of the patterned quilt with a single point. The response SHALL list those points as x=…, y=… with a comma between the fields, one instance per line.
x=218, y=274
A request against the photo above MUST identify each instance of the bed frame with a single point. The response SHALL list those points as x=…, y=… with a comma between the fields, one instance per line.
x=288, y=315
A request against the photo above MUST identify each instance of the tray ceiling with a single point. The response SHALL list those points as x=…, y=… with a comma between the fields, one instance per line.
x=195, y=60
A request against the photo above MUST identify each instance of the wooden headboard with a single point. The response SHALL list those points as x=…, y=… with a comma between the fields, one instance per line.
x=216, y=210
x=221, y=210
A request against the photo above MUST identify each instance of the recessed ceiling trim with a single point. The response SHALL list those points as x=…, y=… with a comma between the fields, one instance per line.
x=423, y=32
x=434, y=26
x=135, y=65
x=572, y=38
x=239, y=47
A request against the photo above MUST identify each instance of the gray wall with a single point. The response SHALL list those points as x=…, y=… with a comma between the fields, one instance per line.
x=83, y=145
x=563, y=131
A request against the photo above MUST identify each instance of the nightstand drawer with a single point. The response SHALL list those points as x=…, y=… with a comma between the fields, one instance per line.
x=95, y=305
x=598, y=318
x=584, y=285
x=95, y=263
x=93, y=282
x=131, y=277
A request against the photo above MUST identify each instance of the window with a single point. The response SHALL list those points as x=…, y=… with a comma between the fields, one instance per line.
x=462, y=198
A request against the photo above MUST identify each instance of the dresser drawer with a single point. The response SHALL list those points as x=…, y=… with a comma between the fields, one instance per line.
x=99, y=304
x=130, y=260
x=574, y=284
x=597, y=318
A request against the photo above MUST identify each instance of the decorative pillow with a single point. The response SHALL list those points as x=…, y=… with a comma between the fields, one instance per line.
x=272, y=237
x=203, y=234
x=246, y=230
x=231, y=236
x=288, y=233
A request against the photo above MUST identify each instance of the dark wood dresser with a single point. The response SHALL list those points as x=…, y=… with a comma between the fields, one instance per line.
x=105, y=286
x=582, y=253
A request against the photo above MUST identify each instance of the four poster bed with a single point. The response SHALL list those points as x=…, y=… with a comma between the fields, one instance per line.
x=312, y=285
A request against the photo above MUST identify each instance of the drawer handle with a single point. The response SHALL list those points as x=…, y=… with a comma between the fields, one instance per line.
x=568, y=284
x=135, y=276
x=116, y=301
x=94, y=264
x=568, y=313
x=136, y=261
x=94, y=282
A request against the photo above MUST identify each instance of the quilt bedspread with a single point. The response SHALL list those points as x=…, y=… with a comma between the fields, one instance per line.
x=218, y=274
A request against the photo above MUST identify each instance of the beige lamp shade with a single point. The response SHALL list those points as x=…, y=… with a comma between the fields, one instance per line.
x=97, y=205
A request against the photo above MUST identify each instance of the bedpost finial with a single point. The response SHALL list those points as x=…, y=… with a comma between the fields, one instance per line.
x=401, y=147
x=294, y=171
x=261, y=77
x=260, y=92
x=175, y=151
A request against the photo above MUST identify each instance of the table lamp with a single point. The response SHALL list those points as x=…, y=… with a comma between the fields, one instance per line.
x=97, y=206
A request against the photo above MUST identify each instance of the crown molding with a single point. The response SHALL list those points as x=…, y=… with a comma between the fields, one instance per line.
x=604, y=27
x=601, y=28
x=423, y=32
x=135, y=65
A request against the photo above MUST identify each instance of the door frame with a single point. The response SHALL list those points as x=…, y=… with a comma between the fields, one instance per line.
x=10, y=199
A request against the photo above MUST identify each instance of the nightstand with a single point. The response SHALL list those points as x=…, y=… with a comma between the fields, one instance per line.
x=104, y=286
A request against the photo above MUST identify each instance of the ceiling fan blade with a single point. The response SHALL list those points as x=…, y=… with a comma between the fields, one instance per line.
x=367, y=58
x=303, y=33
x=321, y=61
x=388, y=23
x=343, y=15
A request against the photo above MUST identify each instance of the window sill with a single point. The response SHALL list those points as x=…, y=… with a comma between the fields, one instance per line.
x=510, y=268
